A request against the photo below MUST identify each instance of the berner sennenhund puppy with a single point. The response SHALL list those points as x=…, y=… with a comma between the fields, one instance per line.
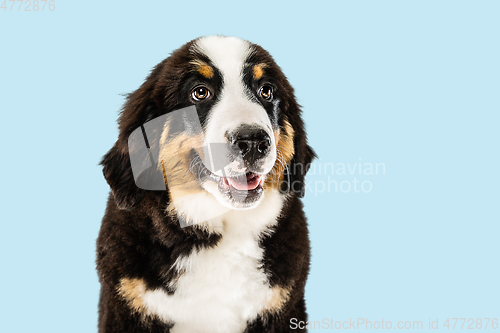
x=211, y=249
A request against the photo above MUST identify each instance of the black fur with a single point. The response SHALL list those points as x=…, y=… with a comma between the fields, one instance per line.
x=138, y=240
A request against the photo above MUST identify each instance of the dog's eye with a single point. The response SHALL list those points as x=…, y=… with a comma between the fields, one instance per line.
x=266, y=92
x=200, y=93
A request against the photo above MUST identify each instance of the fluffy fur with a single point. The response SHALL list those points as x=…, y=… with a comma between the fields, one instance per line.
x=232, y=270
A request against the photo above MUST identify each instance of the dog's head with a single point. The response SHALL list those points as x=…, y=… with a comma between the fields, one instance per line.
x=245, y=107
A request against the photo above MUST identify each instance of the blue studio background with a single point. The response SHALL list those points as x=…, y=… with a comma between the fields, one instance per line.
x=401, y=102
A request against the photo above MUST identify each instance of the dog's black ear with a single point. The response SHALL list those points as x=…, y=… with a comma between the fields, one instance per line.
x=118, y=173
x=139, y=107
x=294, y=177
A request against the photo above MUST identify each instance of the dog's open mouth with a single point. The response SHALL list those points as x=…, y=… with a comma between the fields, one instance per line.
x=244, y=189
x=247, y=182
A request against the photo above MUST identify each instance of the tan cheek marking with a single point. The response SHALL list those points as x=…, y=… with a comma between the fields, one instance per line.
x=279, y=297
x=175, y=162
x=132, y=291
x=175, y=157
x=257, y=72
x=284, y=150
x=285, y=142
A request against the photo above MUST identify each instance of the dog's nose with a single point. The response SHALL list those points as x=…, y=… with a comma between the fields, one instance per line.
x=251, y=142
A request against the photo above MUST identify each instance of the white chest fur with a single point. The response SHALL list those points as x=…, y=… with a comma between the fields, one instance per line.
x=221, y=288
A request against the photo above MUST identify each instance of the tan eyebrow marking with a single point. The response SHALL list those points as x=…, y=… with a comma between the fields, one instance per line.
x=258, y=71
x=203, y=68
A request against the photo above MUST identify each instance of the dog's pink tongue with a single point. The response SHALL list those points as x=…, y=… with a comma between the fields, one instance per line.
x=250, y=182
